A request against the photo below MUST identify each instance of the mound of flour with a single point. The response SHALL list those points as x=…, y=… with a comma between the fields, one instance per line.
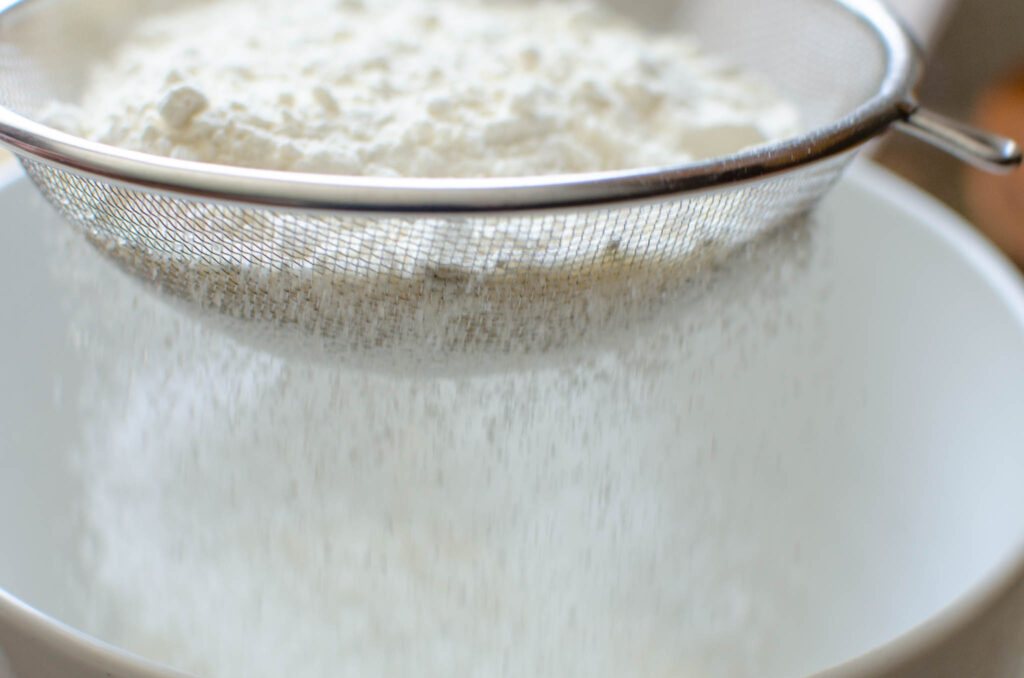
x=419, y=88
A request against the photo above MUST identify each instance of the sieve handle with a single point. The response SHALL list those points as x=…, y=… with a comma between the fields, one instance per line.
x=982, y=149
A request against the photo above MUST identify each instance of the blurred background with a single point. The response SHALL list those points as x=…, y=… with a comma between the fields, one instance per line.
x=975, y=71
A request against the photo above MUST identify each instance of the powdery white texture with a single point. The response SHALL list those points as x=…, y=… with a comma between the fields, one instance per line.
x=250, y=516
x=434, y=88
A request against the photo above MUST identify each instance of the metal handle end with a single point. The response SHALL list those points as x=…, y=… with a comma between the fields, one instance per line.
x=984, y=150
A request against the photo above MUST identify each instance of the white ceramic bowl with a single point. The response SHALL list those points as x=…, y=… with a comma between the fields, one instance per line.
x=902, y=448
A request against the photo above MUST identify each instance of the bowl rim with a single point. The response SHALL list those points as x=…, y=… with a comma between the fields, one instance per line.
x=961, y=613
x=892, y=102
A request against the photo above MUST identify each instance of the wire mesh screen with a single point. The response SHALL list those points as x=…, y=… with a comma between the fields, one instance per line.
x=391, y=291
x=420, y=289
x=817, y=52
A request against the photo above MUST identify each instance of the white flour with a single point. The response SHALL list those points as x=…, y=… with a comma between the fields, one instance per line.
x=253, y=517
x=420, y=88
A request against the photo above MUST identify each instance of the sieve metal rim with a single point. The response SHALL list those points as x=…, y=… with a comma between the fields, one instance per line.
x=892, y=103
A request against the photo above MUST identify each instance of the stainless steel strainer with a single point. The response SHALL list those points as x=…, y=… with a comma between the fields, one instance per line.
x=423, y=272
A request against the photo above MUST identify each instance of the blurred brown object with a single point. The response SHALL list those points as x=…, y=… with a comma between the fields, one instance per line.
x=996, y=203
x=978, y=41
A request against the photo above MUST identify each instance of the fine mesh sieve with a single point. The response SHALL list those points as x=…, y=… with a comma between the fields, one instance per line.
x=424, y=273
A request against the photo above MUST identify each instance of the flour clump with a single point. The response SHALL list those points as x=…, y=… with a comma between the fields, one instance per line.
x=412, y=88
